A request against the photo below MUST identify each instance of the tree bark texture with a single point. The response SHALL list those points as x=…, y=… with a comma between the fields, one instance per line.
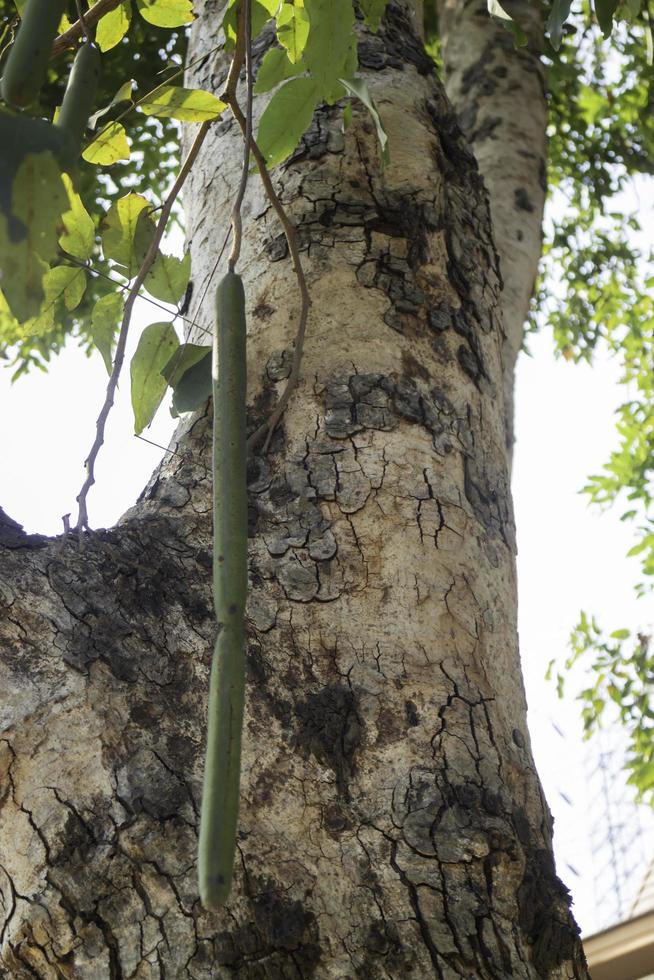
x=498, y=93
x=392, y=823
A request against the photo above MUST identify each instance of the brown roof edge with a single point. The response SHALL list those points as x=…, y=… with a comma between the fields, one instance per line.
x=623, y=952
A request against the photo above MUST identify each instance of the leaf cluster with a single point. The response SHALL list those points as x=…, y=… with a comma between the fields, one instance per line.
x=620, y=668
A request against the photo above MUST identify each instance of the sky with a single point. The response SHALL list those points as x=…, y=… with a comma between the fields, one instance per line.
x=570, y=556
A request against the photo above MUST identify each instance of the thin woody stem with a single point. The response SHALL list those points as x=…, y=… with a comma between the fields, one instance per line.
x=268, y=427
x=82, y=519
x=70, y=37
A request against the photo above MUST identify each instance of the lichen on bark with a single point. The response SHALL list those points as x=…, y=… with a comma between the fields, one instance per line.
x=392, y=823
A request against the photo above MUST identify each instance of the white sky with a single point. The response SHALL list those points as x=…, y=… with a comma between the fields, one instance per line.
x=570, y=556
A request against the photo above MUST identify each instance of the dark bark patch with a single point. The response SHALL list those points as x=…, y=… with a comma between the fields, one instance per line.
x=13, y=536
x=395, y=45
x=522, y=200
x=281, y=930
x=279, y=365
x=335, y=820
x=487, y=492
x=145, y=784
x=374, y=401
x=277, y=248
x=330, y=729
x=542, y=914
x=411, y=714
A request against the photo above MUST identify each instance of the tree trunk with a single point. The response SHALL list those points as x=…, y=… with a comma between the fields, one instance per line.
x=392, y=823
x=498, y=93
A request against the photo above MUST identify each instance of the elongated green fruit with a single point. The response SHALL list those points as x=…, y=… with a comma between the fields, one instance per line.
x=227, y=687
x=27, y=63
x=79, y=97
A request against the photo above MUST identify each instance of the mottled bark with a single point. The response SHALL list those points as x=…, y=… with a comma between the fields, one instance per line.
x=392, y=822
x=498, y=92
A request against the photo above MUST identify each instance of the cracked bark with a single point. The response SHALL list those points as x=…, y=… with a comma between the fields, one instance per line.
x=498, y=92
x=392, y=822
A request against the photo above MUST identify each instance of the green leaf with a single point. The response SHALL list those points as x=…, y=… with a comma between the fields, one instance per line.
x=166, y=13
x=193, y=387
x=38, y=197
x=113, y=27
x=331, y=45
x=275, y=68
x=66, y=283
x=373, y=11
x=78, y=236
x=293, y=30
x=558, y=16
x=105, y=320
x=21, y=275
x=119, y=227
x=124, y=94
x=358, y=88
x=620, y=634
x=184, y=358
x=261, y=12
x=604, y=10
x=155, y=347
x=168, y=277
x=109, y=146
x=643, y=776
x=185, y=104
x=286, y=118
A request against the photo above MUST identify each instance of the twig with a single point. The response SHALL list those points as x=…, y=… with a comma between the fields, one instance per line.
x=87, y=30
x=237, y=223
x=290, y=232
x=70, y=37
x=82, y=519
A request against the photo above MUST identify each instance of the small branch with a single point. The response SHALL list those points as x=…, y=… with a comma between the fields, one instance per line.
x=82, y=519
x=237, y=223
x=268, y=427
x=88, y=30
x=70, y=37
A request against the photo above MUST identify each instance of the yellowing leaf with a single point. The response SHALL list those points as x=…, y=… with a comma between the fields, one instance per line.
x=78, y=236
x=292, y=30
x=109, y=146
x=113, y=27
x=261, y=14
x=185, y=104
x=166, y=13
x=119, y=233
x=105, y=319
x=286, y=117
x=155, y=348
